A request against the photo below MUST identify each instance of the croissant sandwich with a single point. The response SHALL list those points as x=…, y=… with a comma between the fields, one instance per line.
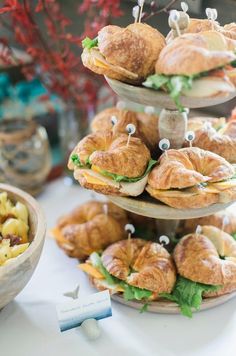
x=90, y=227
x=136, y=268
x=206, y=267
x=221, y=140
x=111, y=164
x=201, y=25
x=195, y=65
x=222, y=219
x=126, y=54
x=192, y=178
x=117, y=120
x=208, y=258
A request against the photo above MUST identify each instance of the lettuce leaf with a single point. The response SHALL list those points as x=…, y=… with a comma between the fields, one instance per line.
x=119, y=178
x=233, y=64
x=188, y=294
x=76, y=160
x=234, y=235
x=90, y=43
x=130, y=292
x=174, y=85
x=144, y=308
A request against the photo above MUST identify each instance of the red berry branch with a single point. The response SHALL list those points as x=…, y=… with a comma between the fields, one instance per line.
x=54, y=58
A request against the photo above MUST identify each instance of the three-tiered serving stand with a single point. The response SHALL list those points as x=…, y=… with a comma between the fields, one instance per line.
x=172, y=126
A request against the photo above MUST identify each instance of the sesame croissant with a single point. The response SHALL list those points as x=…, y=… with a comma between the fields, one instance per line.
x=126, y=54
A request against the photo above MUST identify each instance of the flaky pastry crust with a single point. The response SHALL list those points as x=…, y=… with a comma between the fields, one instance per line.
x=217, y=219
x=220, y=138
x=187, y=199
x=152, y=266
x=146, y=125
x=134, y=49
x=88, y=228
x=187, y=167
x=191, y=54
x=202, y=25
x=111, y=153
x=197, y=257
x=221, y=144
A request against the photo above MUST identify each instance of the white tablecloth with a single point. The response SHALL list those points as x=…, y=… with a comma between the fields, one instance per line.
x=29, y=327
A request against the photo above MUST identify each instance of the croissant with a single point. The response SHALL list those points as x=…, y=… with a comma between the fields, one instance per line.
x=217, y=220
x=198, y=258
x=146, y=125
x=89, y=228
x=180, y=179
x=192, y=54
x=223, y=145
x=229, y=30
x=126, y=54
x=197, y=123
x=187, y=167
x=202, y=25
x=110, y=164
x=221, y=141
x=152, y=266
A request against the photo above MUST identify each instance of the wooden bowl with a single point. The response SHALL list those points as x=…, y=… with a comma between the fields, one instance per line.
x=15, y=275
x=145, y=96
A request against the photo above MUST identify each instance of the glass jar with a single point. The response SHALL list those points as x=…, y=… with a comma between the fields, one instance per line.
x=25, y=159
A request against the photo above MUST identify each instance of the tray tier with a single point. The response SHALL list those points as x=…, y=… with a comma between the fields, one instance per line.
x=147, y=206
x=150, y=97
x=167, y=307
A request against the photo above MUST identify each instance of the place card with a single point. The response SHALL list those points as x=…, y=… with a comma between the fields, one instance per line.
x=73, y=313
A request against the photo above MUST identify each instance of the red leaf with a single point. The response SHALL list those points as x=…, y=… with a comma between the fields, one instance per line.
x=39, y=7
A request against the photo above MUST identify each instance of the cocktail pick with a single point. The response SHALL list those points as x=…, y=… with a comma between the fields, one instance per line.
x=114, y=120
x=207, y=127
x=164, y=145
x=190, y=136
x=211, y=15
x=164, y=240
x=130, y=128
x=225, y=222
x=120, y=105
x=184, y=6
x=140, y=4
x=198, y=230
x=130, y=229
x=73, y=294
x=135, y=13
x=105, y=208
x=174, y=18
x=149, y=110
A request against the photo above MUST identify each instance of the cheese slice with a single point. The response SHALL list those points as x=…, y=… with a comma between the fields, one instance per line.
x=224, y=185
x=187, y=192
x=90, y=270
x=112, y=288
x=101, y=62
x=134, y=189
x=95, y=178
x=209, y=86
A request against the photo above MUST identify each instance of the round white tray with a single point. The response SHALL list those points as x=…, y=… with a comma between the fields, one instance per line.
x=147, y=206
x=145, y=96
x=167, y=307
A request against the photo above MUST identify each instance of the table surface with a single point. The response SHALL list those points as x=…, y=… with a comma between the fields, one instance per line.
x=29, y=326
